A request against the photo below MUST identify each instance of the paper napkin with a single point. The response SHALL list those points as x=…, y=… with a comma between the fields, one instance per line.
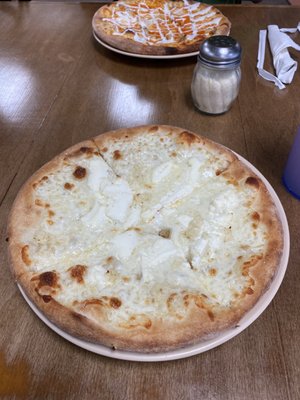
x=284, y=65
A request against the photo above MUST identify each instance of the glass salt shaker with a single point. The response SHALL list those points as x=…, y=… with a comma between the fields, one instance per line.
x=217, y=74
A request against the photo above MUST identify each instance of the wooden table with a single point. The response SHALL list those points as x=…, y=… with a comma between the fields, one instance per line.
x=58, y=87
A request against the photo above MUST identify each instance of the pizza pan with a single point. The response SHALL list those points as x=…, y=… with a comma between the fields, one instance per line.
x=216, y=339
x=153, y=57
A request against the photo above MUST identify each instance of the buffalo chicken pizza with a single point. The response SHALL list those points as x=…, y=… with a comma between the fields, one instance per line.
x=158, y=27
x=145, y=239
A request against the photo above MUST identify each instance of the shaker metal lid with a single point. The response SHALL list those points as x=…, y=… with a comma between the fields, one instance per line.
x=222, y=51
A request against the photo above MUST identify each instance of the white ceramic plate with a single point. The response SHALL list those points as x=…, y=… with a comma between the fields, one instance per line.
x=216, y=339
x=126, y=53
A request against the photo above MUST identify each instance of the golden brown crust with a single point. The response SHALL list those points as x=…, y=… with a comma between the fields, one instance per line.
x=108, y=29
x=88, y=319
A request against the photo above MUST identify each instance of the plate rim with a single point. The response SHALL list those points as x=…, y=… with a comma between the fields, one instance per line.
x=217, y=339
x=147, y=56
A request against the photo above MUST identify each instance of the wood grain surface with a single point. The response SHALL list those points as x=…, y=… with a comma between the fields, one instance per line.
x=58, y=87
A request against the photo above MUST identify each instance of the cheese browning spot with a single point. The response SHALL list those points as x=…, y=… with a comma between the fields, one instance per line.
x=212, y=272
x=250, y=263
x=117, y=155
x=187, y=137
x=41, y=181
x=68, y=186
x=48, y=278
x=46, y=298
x=153, y=129
x=77, y=272
x=255, y=216
x=104, y=150
x=252, y=181
x=86, y=150
x=210, y=315
x=79, y=172
x=114, y=302
x=25, y=255
x=136, y=321
x=165, y=233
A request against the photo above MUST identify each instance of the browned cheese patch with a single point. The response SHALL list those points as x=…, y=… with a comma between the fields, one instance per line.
x=212, y=272
x=77, y=272
x=117, y=155
x=137, y=321
x=115, y=303
x=47, y=284
x=40, y=182
x=165, y=233
x=48, y=278
x=252, y=181
x=253, y=260
x=187, y=138
x=68, y=186
x=25, y=255
x=153, y=129
x=80, y=172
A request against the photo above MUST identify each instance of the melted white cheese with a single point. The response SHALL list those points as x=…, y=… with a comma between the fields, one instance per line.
x=112, y=215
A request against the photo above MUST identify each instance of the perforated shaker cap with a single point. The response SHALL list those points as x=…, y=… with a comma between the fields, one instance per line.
x=220, y=52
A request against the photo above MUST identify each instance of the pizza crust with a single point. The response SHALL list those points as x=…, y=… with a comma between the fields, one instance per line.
x=199, y=318
x=104, y=26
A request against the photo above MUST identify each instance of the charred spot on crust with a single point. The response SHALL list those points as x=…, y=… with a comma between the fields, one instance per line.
x=252, y=181
x=114, y=302
x=148, y=324
x=77, y=272
x=249, y=291
x=255, y=216
x=77, y=316
x=171, y=51
x=43, y=179
x=46, y=298
x=153, y=129
x=48, y=278
x=218, y=172
x=38, y=203
x=129, y=31
x=68, y=186
x=79, y=172
x=165, y=233
x=7, y=239
x=188, y=137
x=25, y=255
x=210, y=315
x=117, y=155
x=86, y=150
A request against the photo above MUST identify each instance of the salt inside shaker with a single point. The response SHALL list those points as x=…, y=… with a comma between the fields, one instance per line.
x=217, y=74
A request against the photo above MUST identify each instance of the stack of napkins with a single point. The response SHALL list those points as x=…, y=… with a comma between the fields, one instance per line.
x=284, y=65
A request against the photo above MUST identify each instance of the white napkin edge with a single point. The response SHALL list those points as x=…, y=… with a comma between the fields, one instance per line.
x=261, y=54
x=261, y=59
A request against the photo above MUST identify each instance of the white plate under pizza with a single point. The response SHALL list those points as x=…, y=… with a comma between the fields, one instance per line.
x=148, y=243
